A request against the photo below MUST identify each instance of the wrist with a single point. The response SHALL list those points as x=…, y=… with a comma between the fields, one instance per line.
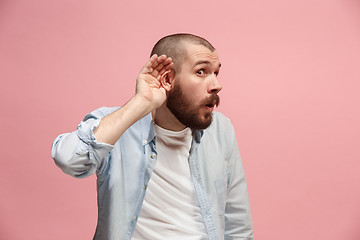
x=142, y=104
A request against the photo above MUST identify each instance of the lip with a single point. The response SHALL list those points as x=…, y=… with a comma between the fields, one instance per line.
x=211, y=103
x=210, y=107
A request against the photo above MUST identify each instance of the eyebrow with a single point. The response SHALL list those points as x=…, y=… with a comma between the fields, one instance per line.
x=204, y=62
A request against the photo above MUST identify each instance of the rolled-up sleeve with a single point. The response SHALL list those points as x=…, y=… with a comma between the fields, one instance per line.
x=78, y=153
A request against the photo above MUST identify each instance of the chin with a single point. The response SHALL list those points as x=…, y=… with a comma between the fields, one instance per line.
x=200, y=124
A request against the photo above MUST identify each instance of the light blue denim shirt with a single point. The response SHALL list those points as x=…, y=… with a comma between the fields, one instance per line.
x=123, y=171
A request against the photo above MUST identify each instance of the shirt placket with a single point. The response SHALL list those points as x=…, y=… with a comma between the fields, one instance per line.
x=151, y=156
x=201, y=193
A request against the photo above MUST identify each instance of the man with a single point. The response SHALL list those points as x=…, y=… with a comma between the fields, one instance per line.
x=197, y=188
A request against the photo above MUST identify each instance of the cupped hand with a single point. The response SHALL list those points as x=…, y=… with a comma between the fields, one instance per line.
x=148, y=82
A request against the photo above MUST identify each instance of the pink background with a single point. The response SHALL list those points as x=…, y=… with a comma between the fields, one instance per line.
x=291, y=78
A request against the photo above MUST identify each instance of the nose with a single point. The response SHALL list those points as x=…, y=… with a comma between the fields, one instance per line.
x=215, y=85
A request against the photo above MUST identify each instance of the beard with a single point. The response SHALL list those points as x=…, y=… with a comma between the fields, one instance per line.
x=187, y=112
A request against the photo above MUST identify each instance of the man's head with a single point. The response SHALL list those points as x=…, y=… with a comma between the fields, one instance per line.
x=193, y=86
x=174, y=46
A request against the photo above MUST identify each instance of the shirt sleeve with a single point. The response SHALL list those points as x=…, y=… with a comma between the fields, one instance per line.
x=78, y=153
x=238, y=222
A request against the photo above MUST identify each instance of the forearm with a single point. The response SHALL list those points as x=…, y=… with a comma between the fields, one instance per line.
x=115, y=124
x=149, y=95
x=84, y=151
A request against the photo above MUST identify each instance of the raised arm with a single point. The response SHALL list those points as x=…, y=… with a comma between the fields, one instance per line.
x=81, y=153
x=149, y=95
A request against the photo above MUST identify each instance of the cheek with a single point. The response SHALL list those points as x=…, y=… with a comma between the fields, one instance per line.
x=196, y=95
x=193, y=97
x=193, y=88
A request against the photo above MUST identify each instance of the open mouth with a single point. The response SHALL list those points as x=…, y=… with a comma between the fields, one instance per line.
x=212, y=102
x=210, y=105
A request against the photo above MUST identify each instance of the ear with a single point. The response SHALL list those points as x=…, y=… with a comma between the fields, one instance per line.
x=167, y=80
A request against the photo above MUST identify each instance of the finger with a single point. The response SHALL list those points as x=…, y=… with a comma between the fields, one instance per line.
x=154, y=73
x=161, y=58
x=157, y=67
x=165, y=65
x=169, y=66
x=148, y=66
x=157, y=60
x=167, y=61
x=160, y=61
x=166, y=68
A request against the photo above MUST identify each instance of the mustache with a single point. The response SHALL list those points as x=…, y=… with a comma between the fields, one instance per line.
x=213, y=98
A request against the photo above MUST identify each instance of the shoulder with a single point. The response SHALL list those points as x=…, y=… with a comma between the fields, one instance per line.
x=219, y=136
x=219, y=117
x=220, y=123
x=100, y=112
x=220, y=129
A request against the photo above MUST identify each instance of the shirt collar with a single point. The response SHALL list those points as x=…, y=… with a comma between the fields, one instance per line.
x=198, y=135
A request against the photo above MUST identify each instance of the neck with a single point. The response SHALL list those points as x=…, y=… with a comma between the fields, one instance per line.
x=164, y=118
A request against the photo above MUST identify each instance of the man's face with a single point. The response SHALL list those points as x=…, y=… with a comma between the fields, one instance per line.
x=194, y=94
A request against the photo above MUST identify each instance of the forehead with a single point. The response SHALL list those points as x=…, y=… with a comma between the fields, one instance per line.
x=197, y=54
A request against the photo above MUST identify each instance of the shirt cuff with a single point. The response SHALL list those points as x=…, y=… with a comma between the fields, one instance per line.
x=85, y=132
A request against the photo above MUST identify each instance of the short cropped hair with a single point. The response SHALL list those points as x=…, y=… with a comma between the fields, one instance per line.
x=173, y=46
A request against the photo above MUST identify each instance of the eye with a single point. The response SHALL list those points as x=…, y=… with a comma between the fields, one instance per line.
x=201, y=72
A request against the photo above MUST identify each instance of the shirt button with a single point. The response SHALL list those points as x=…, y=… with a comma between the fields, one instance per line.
x=144, y=187
x=144, y=141
x=153, y=155
x=134, y=218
